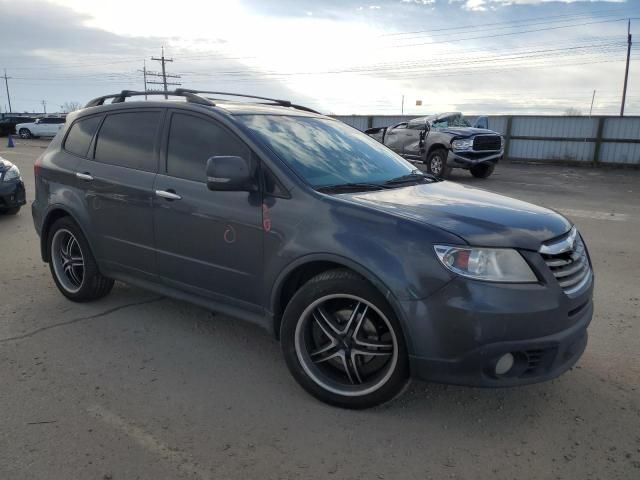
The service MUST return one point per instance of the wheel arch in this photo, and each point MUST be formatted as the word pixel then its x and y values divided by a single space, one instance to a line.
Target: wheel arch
pixel 55 213
pixel 435 146
pixel 298 272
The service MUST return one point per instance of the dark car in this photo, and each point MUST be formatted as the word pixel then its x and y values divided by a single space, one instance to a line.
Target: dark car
pixel 367 270
pixel 442 142
pixel 8 124
pixel 12 193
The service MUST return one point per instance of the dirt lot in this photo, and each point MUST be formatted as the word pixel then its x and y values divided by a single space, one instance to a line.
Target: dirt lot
pixel 140 387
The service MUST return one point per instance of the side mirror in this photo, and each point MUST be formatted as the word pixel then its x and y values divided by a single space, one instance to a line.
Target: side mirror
pixel 37 120
pixel 229 174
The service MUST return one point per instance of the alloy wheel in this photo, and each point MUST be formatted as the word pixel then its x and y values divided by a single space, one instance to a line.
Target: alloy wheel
pixel 68 260
pixel 436 165
pixel 346 345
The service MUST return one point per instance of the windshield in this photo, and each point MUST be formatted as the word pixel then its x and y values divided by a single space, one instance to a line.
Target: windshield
pixel 326 152
pixel 452 121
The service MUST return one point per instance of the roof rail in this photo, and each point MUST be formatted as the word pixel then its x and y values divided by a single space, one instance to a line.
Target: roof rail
pixel 282 103
pixel 193 96
pixel 120 97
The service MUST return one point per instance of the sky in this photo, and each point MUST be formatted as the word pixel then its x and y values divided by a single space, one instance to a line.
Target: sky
pixel 337 56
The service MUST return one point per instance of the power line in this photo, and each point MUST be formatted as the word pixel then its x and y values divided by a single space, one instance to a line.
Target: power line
pixel 508 33
pixel 514 21
pixel 164 74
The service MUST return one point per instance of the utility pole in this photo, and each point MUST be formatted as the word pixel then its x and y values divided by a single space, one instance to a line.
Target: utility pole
pixel 402 107
pixel 144 76
pixel 44 105
pixel 626 72
pixel 6 84
pixel 593 97
pixel 164 74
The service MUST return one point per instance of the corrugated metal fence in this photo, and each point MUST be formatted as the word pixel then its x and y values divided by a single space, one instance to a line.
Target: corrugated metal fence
pixel 587 140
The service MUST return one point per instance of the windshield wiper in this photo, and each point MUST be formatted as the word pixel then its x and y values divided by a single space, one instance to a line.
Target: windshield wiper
pixel 351 186
pixel 414 176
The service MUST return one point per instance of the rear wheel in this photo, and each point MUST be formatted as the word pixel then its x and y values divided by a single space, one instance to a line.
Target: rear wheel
pixel 343 343
pixel 25 133
pixel 484 170
pixel 72 264
pixel 437 163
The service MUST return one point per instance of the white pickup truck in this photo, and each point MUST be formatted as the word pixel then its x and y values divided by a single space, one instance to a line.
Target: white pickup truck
pixel 42 127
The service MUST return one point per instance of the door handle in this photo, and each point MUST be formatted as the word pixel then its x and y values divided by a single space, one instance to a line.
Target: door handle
pixel 84 176
pixel 168 194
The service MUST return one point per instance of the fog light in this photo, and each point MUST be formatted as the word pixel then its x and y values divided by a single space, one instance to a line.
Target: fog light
pixel 504 364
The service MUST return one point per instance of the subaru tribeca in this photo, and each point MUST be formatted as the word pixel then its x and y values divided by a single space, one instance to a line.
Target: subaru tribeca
pixel 368 272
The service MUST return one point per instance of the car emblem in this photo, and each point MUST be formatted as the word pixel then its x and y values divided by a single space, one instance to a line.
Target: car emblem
pixel 567 244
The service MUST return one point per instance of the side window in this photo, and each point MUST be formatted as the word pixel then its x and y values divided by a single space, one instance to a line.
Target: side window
pixel 128 139
pixel 45 120
pixel 400 126
pixel 193 140
pixel 80 135
pixel 58 120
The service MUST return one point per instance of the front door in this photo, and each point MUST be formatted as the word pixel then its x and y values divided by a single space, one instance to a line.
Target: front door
pixel 414 141
pixel 209 242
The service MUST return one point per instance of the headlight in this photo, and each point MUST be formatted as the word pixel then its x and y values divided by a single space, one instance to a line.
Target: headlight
pixel 462 144
pixel 11 174
pixel 489 264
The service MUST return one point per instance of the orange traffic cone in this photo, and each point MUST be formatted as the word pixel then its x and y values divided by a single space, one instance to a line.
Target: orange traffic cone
pixel 10 142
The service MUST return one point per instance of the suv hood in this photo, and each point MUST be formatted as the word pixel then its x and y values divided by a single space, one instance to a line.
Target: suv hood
pixel 466 131
pixel 479 217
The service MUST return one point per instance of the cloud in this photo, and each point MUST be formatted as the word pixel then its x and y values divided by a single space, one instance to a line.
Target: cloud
pixel 482 5
pixel 338 59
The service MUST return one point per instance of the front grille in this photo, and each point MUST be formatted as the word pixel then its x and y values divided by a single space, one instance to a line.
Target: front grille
pixel 487 142
pixel 571 268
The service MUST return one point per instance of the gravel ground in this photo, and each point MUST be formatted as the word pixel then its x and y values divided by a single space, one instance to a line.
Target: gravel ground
pixel 135 386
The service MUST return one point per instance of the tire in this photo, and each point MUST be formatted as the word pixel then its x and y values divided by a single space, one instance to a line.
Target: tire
pixel 484 170
pixel 11 211
pixel 343 343
pixel 437 163
pixel 25 133
pixel 72 264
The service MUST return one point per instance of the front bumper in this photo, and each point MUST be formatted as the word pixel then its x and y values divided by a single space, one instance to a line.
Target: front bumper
pixel 457 335
pixel 12 194
pixel 470 159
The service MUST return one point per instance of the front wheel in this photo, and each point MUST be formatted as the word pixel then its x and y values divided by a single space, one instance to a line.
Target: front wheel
pixel 437 163
pixel 483 170
pixel 343 343
pixel 25 133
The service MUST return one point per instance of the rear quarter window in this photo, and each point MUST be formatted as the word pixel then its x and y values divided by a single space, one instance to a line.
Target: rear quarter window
pixel 80 135
pixel 128 140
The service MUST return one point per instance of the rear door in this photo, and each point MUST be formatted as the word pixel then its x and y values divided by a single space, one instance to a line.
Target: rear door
pixel 117 180
pixel 209 242
pixel 395 137
pixel 414 140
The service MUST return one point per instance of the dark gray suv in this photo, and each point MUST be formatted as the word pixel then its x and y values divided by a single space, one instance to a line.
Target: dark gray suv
pixel 368 271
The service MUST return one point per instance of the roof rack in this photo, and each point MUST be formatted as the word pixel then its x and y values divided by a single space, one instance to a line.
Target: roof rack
pixel 120 97
pixel 193 96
